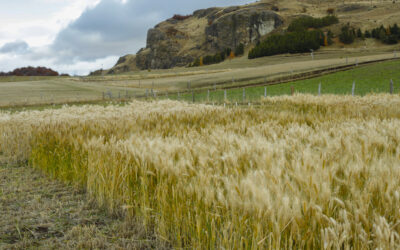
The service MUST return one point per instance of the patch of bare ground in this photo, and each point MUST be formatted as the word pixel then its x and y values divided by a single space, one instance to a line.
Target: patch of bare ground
pixel 39 213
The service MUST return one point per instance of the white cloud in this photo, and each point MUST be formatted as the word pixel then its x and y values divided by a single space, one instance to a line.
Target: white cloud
pixel 38 21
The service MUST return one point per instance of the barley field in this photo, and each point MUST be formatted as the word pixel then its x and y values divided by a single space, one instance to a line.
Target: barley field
pixel 303 171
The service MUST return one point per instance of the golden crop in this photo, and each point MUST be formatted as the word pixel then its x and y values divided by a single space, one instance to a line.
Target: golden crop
pixel 295 172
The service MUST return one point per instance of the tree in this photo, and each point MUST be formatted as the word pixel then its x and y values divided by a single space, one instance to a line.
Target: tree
pixel 382 34
pixel 196 62
pixel 326 39
pixel 395 30
pixel 359 33
pixel 228 52
pixel 218 58
pixel 291 42
pixel 347 35
pixel 239 50
pixel 391 39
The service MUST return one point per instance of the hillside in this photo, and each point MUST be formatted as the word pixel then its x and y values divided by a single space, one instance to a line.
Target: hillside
pixel 179 40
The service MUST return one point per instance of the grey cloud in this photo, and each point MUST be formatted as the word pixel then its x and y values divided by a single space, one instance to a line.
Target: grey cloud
pixel 17 47
pixel 112 28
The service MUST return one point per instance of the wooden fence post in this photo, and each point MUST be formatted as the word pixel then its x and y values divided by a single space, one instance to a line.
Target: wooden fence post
pixel 319 89
pixel 353 89
pixel 292 90
pixel 244 94
pixel 225 95
pixel 265 91
pixel 208 95
pixel 391 86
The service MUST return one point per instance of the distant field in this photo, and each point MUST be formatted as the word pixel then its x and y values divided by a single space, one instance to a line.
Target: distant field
pixel 28 78
pixel 374 78
pixel 34 91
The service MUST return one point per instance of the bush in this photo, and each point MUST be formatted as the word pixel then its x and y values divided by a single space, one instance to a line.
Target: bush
pixel 211 59
pixel 292 42
pixel 330 11
pixel 307 22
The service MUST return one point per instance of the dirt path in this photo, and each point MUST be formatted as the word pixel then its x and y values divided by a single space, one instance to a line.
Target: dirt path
pixel 36 212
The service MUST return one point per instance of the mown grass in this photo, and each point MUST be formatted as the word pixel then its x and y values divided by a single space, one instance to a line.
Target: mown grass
pixel 373 78
pixel 301 172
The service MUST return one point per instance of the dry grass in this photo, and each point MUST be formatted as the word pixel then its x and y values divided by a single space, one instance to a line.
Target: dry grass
pixel 38 213
pixel 296 172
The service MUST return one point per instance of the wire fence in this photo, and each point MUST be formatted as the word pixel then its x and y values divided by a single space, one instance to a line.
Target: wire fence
pixel 352 80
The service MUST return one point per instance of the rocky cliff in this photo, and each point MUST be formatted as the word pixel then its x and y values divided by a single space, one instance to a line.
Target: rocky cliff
pixel 181 39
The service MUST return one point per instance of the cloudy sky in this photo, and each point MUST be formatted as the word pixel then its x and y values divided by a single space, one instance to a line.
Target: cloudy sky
pixel 79 36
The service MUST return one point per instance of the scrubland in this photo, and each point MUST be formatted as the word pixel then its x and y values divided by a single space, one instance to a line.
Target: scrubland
pixel 297 171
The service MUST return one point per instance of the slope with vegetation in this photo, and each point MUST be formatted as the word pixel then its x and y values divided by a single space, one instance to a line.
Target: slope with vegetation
pixel 185 39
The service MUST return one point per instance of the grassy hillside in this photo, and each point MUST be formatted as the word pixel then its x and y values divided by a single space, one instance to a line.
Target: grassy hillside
pixel 369 79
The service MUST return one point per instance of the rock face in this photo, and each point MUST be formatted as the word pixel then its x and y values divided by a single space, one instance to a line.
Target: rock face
pixel 245 26
pixel 178 41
